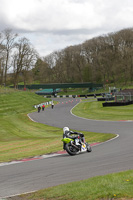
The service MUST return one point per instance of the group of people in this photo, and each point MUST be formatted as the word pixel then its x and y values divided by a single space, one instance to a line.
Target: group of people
pixel 39 108
pixel 43 107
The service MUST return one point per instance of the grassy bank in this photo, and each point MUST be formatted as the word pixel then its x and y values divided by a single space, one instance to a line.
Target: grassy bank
pixel 22 138
pixel 108 187
pixel 95 110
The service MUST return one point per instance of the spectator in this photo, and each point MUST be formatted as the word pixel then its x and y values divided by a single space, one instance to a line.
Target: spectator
pixel 39 108
pixel 52 105
pixel 43 107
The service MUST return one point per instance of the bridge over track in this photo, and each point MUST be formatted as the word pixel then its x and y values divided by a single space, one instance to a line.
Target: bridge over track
pixel 55 86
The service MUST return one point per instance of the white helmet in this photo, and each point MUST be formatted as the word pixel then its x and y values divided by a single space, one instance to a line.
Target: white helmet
pixel 65 129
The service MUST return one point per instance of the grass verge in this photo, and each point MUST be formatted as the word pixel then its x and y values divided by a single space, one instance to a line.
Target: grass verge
pixel 95 110
pixel 108 187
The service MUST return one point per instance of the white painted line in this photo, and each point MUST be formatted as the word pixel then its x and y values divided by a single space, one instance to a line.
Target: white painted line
pixel 117 135
pixel 29 160
pixel 4 198
pixel 31 118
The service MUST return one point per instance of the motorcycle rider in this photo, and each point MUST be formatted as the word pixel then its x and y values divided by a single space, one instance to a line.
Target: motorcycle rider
pixel 68 133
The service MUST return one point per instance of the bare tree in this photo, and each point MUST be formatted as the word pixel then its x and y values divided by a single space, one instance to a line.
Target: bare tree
pixel 23 59
pixel 9 43
pixel 2 60
pixel 29 61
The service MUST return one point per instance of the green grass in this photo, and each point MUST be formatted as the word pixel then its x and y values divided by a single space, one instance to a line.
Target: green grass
pixel 95 110
pixel 22 138
pixel 108 187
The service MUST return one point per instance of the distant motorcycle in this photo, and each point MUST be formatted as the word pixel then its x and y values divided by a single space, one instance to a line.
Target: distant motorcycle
pixel 74 144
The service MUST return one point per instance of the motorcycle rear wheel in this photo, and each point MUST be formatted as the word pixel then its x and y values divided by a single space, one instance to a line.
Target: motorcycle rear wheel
pixel 71 150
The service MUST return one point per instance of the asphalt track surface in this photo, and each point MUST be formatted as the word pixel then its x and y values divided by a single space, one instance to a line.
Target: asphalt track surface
pixel 112 156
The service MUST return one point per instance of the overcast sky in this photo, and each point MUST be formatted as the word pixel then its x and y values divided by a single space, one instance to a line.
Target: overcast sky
pixel 55 24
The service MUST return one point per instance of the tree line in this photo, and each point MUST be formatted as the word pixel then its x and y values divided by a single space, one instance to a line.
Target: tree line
pixel 104 59
pixel 17 58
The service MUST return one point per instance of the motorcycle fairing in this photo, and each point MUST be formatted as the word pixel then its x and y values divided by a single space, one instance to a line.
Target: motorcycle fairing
pixel 67 140
pixel 83 147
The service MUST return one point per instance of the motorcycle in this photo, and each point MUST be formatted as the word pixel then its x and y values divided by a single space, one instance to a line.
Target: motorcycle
pixel 75 145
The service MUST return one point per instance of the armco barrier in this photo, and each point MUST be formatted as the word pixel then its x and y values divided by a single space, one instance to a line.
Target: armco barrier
pixel 81 95
pixel 105 99
pixel 60 96
pixel 117 103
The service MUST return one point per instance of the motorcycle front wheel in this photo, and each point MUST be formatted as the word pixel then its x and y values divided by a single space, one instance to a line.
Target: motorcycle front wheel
pixel 89 149
pixel 71 150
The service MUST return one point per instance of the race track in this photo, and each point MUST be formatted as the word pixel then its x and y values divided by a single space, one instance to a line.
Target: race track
pixel 113 156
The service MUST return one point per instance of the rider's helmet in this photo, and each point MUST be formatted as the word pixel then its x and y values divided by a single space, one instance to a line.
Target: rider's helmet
pixel 65 130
